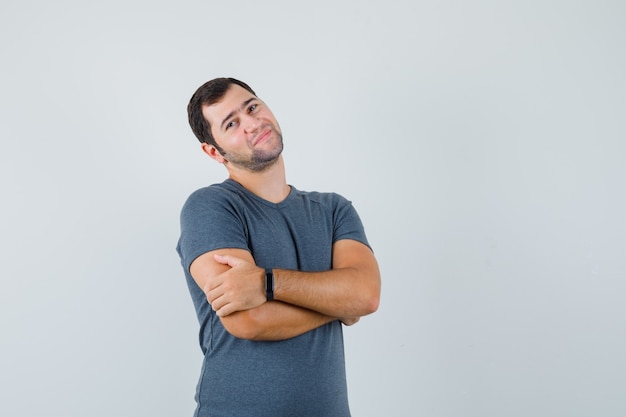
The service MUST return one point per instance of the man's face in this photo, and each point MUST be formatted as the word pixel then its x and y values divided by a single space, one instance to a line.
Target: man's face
pixel 245 129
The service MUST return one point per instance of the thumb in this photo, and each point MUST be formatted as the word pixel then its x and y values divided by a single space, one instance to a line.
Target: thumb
pixel 227 260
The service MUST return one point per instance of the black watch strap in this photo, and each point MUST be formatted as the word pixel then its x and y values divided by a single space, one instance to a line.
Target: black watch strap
pixel 269 284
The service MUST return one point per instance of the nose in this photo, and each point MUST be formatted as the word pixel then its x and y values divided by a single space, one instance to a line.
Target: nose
pixel 250 123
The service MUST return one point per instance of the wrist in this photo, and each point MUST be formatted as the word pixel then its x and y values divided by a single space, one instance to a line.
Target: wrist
pixel 269 284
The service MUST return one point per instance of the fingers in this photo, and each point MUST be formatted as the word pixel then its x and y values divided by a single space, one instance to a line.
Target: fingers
pixel 219 302
pixel 223 305
pixel 227 260
pixel 222 309
pixel 240 287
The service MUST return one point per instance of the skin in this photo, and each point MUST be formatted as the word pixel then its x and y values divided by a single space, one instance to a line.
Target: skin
pixel 250 137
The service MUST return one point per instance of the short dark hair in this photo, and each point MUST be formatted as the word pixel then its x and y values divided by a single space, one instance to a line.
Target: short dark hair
pixel 209 93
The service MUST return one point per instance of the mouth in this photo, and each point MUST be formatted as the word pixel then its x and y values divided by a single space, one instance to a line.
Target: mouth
pixel 265 134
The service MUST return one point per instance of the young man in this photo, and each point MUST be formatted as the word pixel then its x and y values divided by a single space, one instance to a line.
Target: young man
pixel 273 272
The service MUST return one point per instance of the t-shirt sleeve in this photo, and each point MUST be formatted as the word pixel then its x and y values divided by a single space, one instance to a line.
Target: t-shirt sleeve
pixel 347 223
pixel 210 220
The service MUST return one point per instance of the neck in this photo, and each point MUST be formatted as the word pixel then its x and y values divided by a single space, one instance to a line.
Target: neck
pixel 269 184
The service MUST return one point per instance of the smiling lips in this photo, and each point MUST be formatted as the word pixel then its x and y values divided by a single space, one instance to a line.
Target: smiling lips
pixel 265 133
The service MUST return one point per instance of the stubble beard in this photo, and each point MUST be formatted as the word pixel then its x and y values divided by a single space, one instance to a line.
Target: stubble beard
pixel 260 160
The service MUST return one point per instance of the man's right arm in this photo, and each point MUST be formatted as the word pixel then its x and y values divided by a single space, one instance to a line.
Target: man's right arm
pixel 269 321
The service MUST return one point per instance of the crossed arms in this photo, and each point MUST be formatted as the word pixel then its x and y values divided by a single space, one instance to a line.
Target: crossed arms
pixel 235 288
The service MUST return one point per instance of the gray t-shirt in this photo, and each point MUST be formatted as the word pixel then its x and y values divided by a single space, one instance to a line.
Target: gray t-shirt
pixel 302 376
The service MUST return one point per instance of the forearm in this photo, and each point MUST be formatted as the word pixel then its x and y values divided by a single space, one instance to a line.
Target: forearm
pixel 273 321
pixel 342 292
pixel 350 289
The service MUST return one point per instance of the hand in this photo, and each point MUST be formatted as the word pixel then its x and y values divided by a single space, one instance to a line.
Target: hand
pixel 242 287
pixel 349 321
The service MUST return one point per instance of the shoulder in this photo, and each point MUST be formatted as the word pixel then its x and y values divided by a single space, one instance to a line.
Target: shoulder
pixel 330 199
pixel 216 195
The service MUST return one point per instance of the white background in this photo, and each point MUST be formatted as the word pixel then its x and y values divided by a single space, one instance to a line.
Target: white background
pixel 483 144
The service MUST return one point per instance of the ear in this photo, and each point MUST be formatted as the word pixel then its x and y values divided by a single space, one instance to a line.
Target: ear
pixel 213 153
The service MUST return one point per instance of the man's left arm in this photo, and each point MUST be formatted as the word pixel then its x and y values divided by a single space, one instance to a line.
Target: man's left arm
pixel 350 289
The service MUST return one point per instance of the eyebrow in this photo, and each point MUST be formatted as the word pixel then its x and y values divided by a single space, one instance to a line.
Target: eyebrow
pixel 232 113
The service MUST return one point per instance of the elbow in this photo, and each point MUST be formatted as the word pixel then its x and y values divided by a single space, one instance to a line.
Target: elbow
pixel 375 303
pixel 243 325
pixel 372 302
pixel 372 298
pixel 369 300
pixel 370 281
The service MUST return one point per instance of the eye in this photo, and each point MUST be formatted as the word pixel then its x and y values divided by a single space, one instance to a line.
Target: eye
pixel 252 108
pixel 230 124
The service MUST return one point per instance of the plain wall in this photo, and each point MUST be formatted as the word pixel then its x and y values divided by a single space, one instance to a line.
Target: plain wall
pixel 483 144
